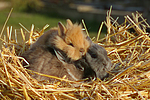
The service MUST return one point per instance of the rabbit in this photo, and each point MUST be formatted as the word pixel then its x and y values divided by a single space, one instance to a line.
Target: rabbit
pixel 43 59
pixel 97 58
pixel 70 39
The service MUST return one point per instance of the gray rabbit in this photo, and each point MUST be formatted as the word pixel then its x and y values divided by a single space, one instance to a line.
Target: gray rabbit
pixel 97 58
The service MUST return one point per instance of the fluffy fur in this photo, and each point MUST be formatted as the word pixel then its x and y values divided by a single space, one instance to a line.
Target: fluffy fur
pixel 43 59
pixel 87 59
pixel 95 63
pixel 70 39
pixel 97 58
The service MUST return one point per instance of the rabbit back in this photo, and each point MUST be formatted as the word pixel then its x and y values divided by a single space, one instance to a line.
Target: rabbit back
pixel 44 60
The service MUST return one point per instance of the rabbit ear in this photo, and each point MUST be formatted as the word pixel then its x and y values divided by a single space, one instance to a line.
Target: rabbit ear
pixel 69 23
pixel 59 56
pixel 61 29
pixel 89 39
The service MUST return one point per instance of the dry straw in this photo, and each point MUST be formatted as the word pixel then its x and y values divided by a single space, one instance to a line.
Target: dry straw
pixel 128 46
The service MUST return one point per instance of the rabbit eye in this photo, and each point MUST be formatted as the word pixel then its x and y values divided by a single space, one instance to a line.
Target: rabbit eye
pixel 93 55
pixel 71 44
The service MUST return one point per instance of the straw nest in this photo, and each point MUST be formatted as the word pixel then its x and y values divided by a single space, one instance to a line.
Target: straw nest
pixel 128 46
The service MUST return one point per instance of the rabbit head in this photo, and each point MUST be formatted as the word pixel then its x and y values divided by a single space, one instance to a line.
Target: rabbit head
pixel 97 58
pixel 71 40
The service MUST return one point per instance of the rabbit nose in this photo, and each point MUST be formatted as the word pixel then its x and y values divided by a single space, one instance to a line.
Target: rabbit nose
pixel 82 51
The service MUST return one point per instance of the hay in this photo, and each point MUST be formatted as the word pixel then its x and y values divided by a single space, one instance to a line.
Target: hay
pixel 128 47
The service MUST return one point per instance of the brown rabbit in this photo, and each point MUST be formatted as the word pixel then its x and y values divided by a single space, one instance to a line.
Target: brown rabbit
pixel 43 59
pixel 70 39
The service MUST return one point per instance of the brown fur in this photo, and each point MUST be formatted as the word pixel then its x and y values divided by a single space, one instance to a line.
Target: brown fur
pixel 44 60
pixel 69 39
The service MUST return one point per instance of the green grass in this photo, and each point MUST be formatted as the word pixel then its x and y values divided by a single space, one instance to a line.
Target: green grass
pixel 27 19
pixel 39 21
